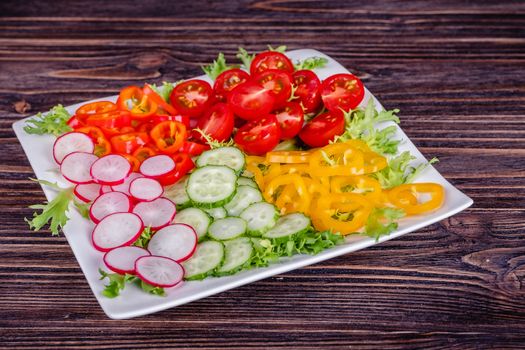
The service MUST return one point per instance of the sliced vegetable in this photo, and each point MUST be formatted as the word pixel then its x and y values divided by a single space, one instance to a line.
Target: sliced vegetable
pixel 116 230
pixel 259 136
pixel 110 170
pixel 250 100
pixel 177 193
pixel 291 119
pixel 122 260
pixel 227 81
pixel 109 203
pixel 212 186
pixel 124 187
pixel 156 213
pixel 231 157
pixel 177 242
pixel 191 97
pixel 157 166
pixel 217 122
pixel 237 254
pixel 342 92
pixel 260 217
pixel 288 225
pixel 195 218
pixel 168 136
pixel 159 271
pixel 76 167
pixel 71 142
pixel 245 196
pixel 207 257
pixel 87 192
pixel 227 228
pixel 324 128
pixel 270 60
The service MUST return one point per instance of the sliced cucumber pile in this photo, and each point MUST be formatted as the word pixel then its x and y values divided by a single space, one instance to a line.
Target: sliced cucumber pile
pixel 211 186
pixel 177 193
pixel 231 157
pixel 196 218
pixel 207 257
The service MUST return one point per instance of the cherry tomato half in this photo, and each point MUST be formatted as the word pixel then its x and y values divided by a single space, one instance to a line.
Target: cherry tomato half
pixel 278 82
pixel 191 97
pixel 259 136
pixel 217 123
pixel 319 131
pixel 128 143
pixel 270 60
pixel 308 90
pixel 342 91
pixel 291 119
pixel 250 101
pixel 227 80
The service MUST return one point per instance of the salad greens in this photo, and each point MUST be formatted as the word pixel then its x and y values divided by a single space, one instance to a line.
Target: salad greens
pixel 311 63
pixel 117 283
pixel 217 67
pixel 53 122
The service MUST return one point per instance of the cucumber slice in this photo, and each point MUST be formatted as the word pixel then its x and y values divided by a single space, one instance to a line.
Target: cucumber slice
pixel 196 218
pixel 211 186
pixel 227 228
pixel 216 213
pixel 237 253
pixel 177 193
pixel 289 225
pixel 207 257
pixel 244 197
pixel 231 157
pixel 246 181
pixel 260 217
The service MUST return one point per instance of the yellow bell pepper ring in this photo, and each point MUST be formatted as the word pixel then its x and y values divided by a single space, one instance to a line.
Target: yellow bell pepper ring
pixel 293 201
pixel 374 162
pixel 337 159
pixel 365 185
pixel 400 197
pixel 257 174
pixel 342 212
pixel 288 157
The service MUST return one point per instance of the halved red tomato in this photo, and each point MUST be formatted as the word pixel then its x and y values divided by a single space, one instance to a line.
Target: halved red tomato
pixel 342 91
pixel 259 136
pixel 308 90
pixel 217 122
pixel 191 97
pixel 291 119
pixel 227 80
pixel 270 60
pixel 319 131
pixel 278 82
pixel 251 100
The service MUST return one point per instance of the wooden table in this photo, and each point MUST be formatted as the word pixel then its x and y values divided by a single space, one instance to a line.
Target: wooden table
pixel 457 72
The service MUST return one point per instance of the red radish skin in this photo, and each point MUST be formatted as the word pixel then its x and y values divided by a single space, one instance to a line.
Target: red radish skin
pixel 116 230
pixel 109 203
pixel 71 142
pixel 157 166
pixel 157 213
pixel 124 187
pixel 105 189
pixel 87 192
pixel 122 260
pixel 76 167
pixel 110 170
pixel 159 271
pixel 176 241
pixel 145 189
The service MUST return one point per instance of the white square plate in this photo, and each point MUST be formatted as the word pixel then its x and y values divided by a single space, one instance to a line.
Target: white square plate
pixel 134 302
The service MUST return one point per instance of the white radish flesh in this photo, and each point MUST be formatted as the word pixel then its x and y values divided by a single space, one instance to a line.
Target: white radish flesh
pixel 122 260
pixel 157 213
pixel 87 192
pixel 159 271
pixel 76 167
pixel 157 166
pixel 177 241
pixel 124 187
pixel 116 230
pixel 110 170
pixel 72 142
pixel 109 203
pixel 145 189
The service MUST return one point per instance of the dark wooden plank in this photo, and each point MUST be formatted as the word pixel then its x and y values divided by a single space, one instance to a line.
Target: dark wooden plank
pixel 454 68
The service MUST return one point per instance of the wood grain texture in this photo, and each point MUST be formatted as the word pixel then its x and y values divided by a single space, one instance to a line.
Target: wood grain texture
pixel 456 69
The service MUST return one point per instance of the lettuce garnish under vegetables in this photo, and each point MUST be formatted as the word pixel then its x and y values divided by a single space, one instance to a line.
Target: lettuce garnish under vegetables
pixel 117 283
pixel 245 57
pixel 311 63
pixel 53 122
pixel 164 90
pixel 382 221
pixel 217 67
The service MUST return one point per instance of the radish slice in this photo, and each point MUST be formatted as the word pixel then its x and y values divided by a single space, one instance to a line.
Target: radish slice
pixel 145 189
pixel 110 170
pixel 122 260
pixel 157 213
pixel 116 230
pixel 157 166
pixel 177 242
pixel 76 167
pixel 159 271
pixel 124 187
pixel 72 142
pixel 105 189
pixel 109 203
pixel 87 192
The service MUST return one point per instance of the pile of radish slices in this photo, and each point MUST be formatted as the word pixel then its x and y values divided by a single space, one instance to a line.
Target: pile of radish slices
pixel 123 204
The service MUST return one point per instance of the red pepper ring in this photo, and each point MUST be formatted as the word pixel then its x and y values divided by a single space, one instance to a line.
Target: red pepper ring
pixel 148 91
pixel 93 108
pixel 169 136
pixel 109 120
pixel 133 99
pixel 183 165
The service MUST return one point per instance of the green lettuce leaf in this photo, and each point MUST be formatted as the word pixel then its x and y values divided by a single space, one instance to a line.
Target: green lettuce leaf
pixel 144 238
pixel 217 67
pixel 281 48
pixel 245 57
pixel 361 125
pixel 382 221
pixel 164 90
pixel 311 63
pixel 53 122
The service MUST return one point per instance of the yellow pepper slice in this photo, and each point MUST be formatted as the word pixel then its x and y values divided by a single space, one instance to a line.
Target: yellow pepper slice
pixel 374 162
pixel 337 159
pixel 298 201
pixel 400 197
pixel 365 185
pixel 257 174
pixel 288 157
pixel 355 206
